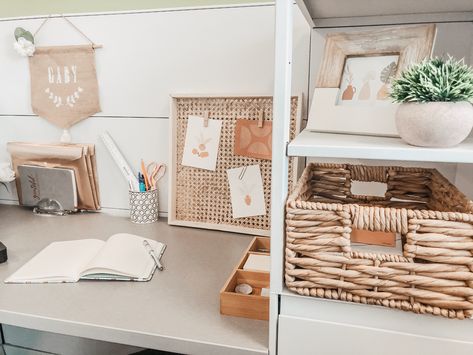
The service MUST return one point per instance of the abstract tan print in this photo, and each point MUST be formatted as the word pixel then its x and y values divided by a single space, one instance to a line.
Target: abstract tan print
pixel 246 191
pixel 386 76
pixel 350 90
pixel 201 146
pixel 253 141
pixel 366 80
pixel 64 88
pixel 365 92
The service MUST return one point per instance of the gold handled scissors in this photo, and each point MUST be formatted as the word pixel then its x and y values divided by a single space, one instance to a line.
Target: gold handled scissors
pixel 155 173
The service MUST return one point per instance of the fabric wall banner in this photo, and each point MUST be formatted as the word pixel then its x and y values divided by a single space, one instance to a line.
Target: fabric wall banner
pixel 64 87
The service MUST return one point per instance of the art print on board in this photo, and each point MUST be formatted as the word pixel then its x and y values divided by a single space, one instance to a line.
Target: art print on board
pixel 246 191
pixel 366 80
pixel 253 141
pixel 201 143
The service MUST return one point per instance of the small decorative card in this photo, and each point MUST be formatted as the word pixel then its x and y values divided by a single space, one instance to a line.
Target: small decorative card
pixel 246 191
pixel 253 141
pixel 201 143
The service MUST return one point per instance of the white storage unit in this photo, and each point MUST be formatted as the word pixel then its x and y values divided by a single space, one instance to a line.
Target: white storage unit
pixel 306 325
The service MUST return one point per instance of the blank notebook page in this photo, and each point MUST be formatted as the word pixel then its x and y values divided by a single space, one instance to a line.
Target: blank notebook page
pixel 59 261
pixel 126 255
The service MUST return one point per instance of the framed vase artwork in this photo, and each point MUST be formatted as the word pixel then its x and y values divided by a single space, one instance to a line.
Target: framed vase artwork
pixel 352 88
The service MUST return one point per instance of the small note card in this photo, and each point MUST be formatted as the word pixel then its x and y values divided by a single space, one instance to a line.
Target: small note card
pixel 201 143
pixel 253 141
pixel 246 190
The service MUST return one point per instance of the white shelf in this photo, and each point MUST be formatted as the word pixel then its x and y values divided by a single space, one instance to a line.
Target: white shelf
pixel 324 9
pixel 328 145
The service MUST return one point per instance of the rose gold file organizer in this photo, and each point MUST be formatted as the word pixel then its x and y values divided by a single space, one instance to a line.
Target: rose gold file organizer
pixel 78 157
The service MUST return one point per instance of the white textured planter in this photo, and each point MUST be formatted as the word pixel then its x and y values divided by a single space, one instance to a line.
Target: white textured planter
pixel 434 124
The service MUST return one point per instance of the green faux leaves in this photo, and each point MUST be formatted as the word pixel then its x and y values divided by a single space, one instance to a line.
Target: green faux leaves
pixel 21 32
pixel 436 79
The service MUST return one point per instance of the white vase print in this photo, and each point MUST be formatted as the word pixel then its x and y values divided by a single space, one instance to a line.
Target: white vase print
pixel 365 92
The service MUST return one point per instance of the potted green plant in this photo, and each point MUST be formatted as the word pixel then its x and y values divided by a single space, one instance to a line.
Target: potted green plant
pixel 435 97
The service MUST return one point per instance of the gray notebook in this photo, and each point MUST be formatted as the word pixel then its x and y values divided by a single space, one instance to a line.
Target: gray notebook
pixel 38 182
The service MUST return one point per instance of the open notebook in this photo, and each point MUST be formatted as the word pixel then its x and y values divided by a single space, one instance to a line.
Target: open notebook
pixel 122 257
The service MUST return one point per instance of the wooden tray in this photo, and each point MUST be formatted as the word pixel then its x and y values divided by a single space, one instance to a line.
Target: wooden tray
pixel 252 306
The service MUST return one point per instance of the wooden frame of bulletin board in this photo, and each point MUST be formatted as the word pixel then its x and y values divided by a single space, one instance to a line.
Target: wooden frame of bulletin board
pixel 200 198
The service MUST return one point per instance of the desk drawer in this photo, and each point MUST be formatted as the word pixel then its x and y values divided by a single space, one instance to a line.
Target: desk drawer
pixel 15 350
pixel 45 342
pixel 306 336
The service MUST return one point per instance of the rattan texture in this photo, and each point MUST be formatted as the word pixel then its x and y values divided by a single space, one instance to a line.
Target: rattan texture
pixel 204 196
pixel 435 220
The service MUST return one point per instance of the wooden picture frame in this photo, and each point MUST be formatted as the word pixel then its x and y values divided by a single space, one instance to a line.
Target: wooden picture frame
pixel 200 198
pixel 411 44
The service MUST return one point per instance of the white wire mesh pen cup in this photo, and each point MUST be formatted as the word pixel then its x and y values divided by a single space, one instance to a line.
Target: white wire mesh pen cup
pixel 144 206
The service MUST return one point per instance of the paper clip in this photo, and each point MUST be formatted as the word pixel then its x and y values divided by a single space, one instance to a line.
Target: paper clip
pixel 260 118
pixel 242 173
pixel 260 113
pixel 206 119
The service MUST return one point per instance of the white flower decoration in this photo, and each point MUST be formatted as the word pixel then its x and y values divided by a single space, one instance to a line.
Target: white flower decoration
pixel 6 173
pixel 24 47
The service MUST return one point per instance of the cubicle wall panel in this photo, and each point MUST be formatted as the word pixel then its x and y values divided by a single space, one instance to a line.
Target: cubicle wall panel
pixel 138 138
pixel 147 56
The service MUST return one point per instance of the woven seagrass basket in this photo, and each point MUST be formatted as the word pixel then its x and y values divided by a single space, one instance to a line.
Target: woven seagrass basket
pixel 435 221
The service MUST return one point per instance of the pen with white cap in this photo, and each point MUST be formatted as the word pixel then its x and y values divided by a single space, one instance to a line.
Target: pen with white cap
pixel 153 255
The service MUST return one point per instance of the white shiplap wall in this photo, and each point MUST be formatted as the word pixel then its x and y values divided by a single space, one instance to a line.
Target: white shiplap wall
pixel 146 57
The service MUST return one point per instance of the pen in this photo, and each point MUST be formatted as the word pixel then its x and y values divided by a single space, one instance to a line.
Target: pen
pixel 153 255
pixel 145 175
pixel 141 181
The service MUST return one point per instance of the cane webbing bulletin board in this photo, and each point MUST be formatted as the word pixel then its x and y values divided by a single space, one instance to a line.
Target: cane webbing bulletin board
pixel 201 198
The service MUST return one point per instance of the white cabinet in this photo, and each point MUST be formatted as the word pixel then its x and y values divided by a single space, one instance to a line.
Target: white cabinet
pixel 319 326
pixel 304 336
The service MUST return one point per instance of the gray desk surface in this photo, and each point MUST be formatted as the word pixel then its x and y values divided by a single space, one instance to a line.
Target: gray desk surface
pixel 178 310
